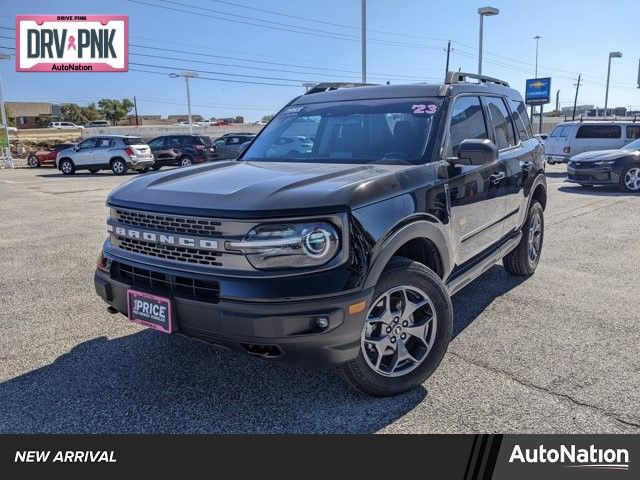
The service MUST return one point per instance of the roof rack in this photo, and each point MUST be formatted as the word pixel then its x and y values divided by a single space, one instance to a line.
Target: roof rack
pixel 461 77
pixel 327 86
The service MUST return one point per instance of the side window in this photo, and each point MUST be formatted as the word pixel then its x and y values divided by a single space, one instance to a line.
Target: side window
pixel 88 143
pixel 172 142
pixel 556 131
pixel 521 119
pixel 467 121
pixel 633 132
pixel 501 123
pixel 104 142
pixel 233 140
pixel 187 141
pixel 599 131
pixel 219 141
pixel 156 142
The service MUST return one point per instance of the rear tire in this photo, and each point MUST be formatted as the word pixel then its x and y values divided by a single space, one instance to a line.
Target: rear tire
pixel 67 167
pixel 407 331
pixel 144 170
pixel 119 166
pixel 157 167
pixel 33 161
pixel 186 161
pixel 524 259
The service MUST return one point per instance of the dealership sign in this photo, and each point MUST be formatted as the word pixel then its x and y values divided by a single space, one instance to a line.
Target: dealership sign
pixel 537 91
pixel 72 43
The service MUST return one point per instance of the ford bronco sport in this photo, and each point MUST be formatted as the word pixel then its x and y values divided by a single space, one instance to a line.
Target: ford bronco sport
pixel 345 254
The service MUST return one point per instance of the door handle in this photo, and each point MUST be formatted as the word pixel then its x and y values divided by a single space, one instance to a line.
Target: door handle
pixel 497 177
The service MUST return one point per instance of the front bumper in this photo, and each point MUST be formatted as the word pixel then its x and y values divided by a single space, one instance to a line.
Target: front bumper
pixel 603 175
pixel 285 331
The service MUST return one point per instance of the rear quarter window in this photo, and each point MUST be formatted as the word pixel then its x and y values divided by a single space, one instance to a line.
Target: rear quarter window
pixel 599 131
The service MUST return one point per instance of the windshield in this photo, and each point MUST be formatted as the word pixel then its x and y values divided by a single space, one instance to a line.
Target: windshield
pixel 362 131
pixel 635 145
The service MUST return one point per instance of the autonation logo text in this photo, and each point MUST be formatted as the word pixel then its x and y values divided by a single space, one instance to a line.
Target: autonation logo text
pixel 574 457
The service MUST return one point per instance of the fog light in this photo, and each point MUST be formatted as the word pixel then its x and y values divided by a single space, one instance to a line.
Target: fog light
pixel 322 322
pixel 103 263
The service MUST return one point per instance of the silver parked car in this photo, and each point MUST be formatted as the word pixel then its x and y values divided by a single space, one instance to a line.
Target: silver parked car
pixel 117 153
pixel 230 145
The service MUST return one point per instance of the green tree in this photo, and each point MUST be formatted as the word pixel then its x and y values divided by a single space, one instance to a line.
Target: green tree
pixel 91 112
pixel 114 110
pixel 72 112
pixel 11 120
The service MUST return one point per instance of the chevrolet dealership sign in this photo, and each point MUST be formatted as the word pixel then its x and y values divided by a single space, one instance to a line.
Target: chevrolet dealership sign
pixel 72 43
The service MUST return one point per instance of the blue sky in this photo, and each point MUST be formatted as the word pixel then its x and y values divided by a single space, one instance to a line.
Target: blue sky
pixel 319 41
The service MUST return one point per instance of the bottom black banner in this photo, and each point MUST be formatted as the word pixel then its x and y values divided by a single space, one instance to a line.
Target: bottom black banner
pixel 466 457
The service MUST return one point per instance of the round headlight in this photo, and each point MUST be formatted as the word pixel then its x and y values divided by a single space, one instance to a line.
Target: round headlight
pixel 316 243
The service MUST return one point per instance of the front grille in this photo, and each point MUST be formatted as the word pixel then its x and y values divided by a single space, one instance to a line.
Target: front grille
pixel 169 223
pixel 169 252
pixel 161 283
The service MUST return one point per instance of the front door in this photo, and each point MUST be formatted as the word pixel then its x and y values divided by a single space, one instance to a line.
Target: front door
pixel 477 192
pixel 85 154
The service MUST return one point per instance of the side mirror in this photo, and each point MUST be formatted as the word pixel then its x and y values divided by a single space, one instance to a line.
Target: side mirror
pixel 476 152
pixel 76 148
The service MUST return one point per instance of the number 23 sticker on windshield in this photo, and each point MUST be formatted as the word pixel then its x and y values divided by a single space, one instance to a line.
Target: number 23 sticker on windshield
pixel 421 109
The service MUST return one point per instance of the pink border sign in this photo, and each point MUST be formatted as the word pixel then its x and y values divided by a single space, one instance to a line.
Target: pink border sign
pixel 95 66
pixel 136 293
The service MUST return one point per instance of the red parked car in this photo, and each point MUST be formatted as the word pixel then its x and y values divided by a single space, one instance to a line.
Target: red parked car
pixel 47 157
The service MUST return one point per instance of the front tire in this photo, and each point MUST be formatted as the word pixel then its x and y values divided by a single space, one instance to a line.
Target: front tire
pixel 119 167
pixel 524 259
pixel 406 333
pixel 630 179
pixel 67 167
pixel 33 161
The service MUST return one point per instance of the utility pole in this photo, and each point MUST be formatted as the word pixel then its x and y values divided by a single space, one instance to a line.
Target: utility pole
pixel 364 41
pixel 446 70
pixel 537 39
pixel 558 101
pixel 8 161
pixel 575 100
pixel 135 107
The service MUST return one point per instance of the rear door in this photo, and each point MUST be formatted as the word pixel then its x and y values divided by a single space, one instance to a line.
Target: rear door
pixel 478 202
pixel 102 152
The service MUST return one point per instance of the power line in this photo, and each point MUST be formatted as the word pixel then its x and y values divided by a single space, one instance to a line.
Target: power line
pixel 284 27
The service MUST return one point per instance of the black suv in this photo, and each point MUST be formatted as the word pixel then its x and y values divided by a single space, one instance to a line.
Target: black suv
pixel 344 254
pixel 183 150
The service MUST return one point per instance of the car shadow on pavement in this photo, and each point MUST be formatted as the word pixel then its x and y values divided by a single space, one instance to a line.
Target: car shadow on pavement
pixel 473 299
pixel 598 191
pixel 149 382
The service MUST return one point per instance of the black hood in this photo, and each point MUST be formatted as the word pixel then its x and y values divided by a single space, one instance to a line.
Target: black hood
pixel 242 189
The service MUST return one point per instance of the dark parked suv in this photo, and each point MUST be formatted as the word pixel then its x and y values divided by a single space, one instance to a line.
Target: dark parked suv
pixel 183 150
pixel 346 253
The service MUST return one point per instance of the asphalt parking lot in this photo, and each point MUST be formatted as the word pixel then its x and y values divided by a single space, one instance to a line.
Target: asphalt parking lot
pixel 557 352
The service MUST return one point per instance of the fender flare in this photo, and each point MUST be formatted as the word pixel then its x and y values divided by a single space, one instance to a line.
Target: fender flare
pixel 419 229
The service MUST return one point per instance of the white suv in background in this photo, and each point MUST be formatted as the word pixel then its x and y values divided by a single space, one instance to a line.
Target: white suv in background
pixel 571 138
pixel 117 153
pixel 65 125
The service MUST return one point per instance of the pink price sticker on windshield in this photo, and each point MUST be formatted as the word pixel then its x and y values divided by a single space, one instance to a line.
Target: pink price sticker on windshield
pixel 422 109
pixel 72 43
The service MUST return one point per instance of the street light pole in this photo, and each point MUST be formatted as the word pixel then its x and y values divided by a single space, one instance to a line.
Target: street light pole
pixel 483 12
pixel 537 39
pixel 364 41
pixel 8 161
pixel 187 76
pixel 606 95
